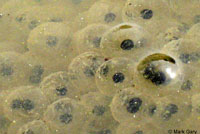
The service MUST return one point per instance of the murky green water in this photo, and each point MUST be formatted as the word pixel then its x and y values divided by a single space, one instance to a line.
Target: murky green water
pixel 99 66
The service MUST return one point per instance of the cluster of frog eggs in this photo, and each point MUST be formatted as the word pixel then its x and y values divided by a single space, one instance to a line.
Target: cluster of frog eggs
pixel 117 67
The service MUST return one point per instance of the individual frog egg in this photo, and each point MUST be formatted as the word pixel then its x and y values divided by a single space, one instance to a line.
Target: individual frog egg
pixel 25 103
pixel 36 74
pixel 57 86
pixel 37 69
pixel 11 46
pixel 172 110
pixel 126 39
pixel 138 128
pixel 149 14
pixel 144 10
pixel 7 12
pixel 52 40
pixel 132 104
pixel 13 70
pixel 82 71
pixel 89 38
pixel 193 33
pixel 34 127
pixel 158 72
pixel 100 117
pixel 105 12
pixel 114 75
pixel 65 115
pixel 29 18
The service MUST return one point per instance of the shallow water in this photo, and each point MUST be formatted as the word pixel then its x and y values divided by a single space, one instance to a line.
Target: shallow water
pixel 99 66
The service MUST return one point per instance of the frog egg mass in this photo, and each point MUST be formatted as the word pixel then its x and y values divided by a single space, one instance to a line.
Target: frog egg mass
pixel 99 66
